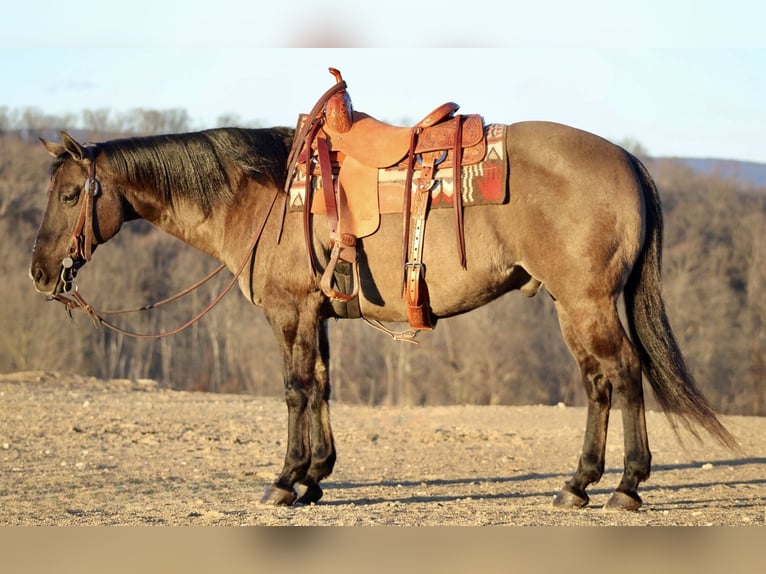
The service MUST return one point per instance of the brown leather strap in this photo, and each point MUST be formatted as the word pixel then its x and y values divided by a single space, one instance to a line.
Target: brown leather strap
pixel 458 191
pixel 407 204
pixel 418 311
pixel 308 141
pixel 83 234
pixel 90 206
pixel 328 187
pixel 78 239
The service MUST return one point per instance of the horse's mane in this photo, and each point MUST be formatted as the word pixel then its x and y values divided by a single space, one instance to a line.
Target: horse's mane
pixel 199 166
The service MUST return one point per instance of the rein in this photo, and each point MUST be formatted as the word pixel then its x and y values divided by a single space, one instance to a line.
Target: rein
pixel 81 250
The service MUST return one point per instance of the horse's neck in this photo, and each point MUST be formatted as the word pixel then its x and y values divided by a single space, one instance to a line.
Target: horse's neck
pixel 183 220
pixel 227 234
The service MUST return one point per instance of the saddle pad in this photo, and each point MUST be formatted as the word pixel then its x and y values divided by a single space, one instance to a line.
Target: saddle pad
pixel 360 208
pixel 482 183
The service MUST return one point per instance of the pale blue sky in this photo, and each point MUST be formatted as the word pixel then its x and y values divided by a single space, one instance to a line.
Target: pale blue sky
pixel 684 78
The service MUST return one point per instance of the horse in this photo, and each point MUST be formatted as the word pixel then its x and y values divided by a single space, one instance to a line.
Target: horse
pixel 582 219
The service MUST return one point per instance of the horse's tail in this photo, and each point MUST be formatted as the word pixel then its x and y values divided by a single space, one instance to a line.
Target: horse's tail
pixel 650 330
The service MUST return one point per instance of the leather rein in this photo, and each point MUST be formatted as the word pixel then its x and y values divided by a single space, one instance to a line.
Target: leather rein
pixel 80 252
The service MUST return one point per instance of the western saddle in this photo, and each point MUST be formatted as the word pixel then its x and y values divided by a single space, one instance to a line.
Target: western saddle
pixel 339 151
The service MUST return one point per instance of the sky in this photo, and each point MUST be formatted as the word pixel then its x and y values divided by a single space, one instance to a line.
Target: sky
pixel 682 78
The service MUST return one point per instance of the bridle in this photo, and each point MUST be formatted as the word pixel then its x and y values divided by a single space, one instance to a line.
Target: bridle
pixel 81 250
pixel 83 234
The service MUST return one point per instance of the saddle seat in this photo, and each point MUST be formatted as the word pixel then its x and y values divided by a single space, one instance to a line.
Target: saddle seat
pixel 374 143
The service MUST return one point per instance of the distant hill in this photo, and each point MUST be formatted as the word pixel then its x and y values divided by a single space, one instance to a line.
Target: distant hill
pixel 743 171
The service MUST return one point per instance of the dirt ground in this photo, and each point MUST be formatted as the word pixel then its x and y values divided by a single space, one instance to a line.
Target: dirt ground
pixel 81 451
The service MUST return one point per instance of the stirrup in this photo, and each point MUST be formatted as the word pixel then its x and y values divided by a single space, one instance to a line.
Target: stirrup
pixel 349 244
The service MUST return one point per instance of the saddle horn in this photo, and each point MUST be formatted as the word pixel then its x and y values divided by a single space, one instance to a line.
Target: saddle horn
pixel 339 112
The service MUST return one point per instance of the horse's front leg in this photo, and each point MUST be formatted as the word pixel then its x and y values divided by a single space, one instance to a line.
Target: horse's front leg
pixel 298 456
pixel 322 443
pixel 295 325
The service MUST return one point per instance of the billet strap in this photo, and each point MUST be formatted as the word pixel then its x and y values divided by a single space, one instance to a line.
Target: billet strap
pixel 407 205
pixel 458 191
pixel 418 311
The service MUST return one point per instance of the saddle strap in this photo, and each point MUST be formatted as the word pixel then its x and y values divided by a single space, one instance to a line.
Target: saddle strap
pixel 458 191
pixel 308 140
pixel 418 302
pixel 328 186
pixel 407 204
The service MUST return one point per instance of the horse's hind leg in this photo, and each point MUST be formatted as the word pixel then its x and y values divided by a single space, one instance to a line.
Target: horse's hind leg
pixel 607 361
pixel 599 393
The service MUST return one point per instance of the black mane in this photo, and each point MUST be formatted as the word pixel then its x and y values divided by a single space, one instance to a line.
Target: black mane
pixel 200 165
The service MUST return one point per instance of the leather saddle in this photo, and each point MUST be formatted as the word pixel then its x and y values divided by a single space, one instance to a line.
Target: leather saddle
pixel 339 152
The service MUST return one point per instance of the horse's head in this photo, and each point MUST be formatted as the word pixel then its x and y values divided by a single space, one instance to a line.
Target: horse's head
pixel 83 211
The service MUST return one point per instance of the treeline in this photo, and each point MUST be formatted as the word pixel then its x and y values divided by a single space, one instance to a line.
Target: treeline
pixel 509 352
pixel 104 123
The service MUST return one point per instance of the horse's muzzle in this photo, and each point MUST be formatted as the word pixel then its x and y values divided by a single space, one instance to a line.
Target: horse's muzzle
pixel 64 279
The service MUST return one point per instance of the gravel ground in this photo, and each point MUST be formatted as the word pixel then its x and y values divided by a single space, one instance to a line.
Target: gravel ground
pixel 81 451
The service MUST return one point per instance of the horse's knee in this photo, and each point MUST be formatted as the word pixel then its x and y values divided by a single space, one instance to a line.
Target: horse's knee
pixel 296 394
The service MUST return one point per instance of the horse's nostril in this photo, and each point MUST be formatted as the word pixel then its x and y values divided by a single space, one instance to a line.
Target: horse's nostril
pixel 36 274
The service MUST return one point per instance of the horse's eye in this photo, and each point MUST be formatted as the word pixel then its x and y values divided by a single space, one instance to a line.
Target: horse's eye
pixel 70 198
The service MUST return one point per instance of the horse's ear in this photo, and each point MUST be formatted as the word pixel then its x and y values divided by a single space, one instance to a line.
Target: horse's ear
pixel 53 148
pixel 75 149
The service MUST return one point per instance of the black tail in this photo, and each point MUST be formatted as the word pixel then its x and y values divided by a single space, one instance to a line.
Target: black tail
pixel 661 358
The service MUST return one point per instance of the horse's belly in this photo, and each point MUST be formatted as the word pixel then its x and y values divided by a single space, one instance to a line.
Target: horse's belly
pixel 449 293
pixel 491 267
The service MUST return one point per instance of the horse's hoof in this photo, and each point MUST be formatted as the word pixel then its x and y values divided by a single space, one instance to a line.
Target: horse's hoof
pixel 623 501
pixel 569 498
pixel 309 493
pixel 279 496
